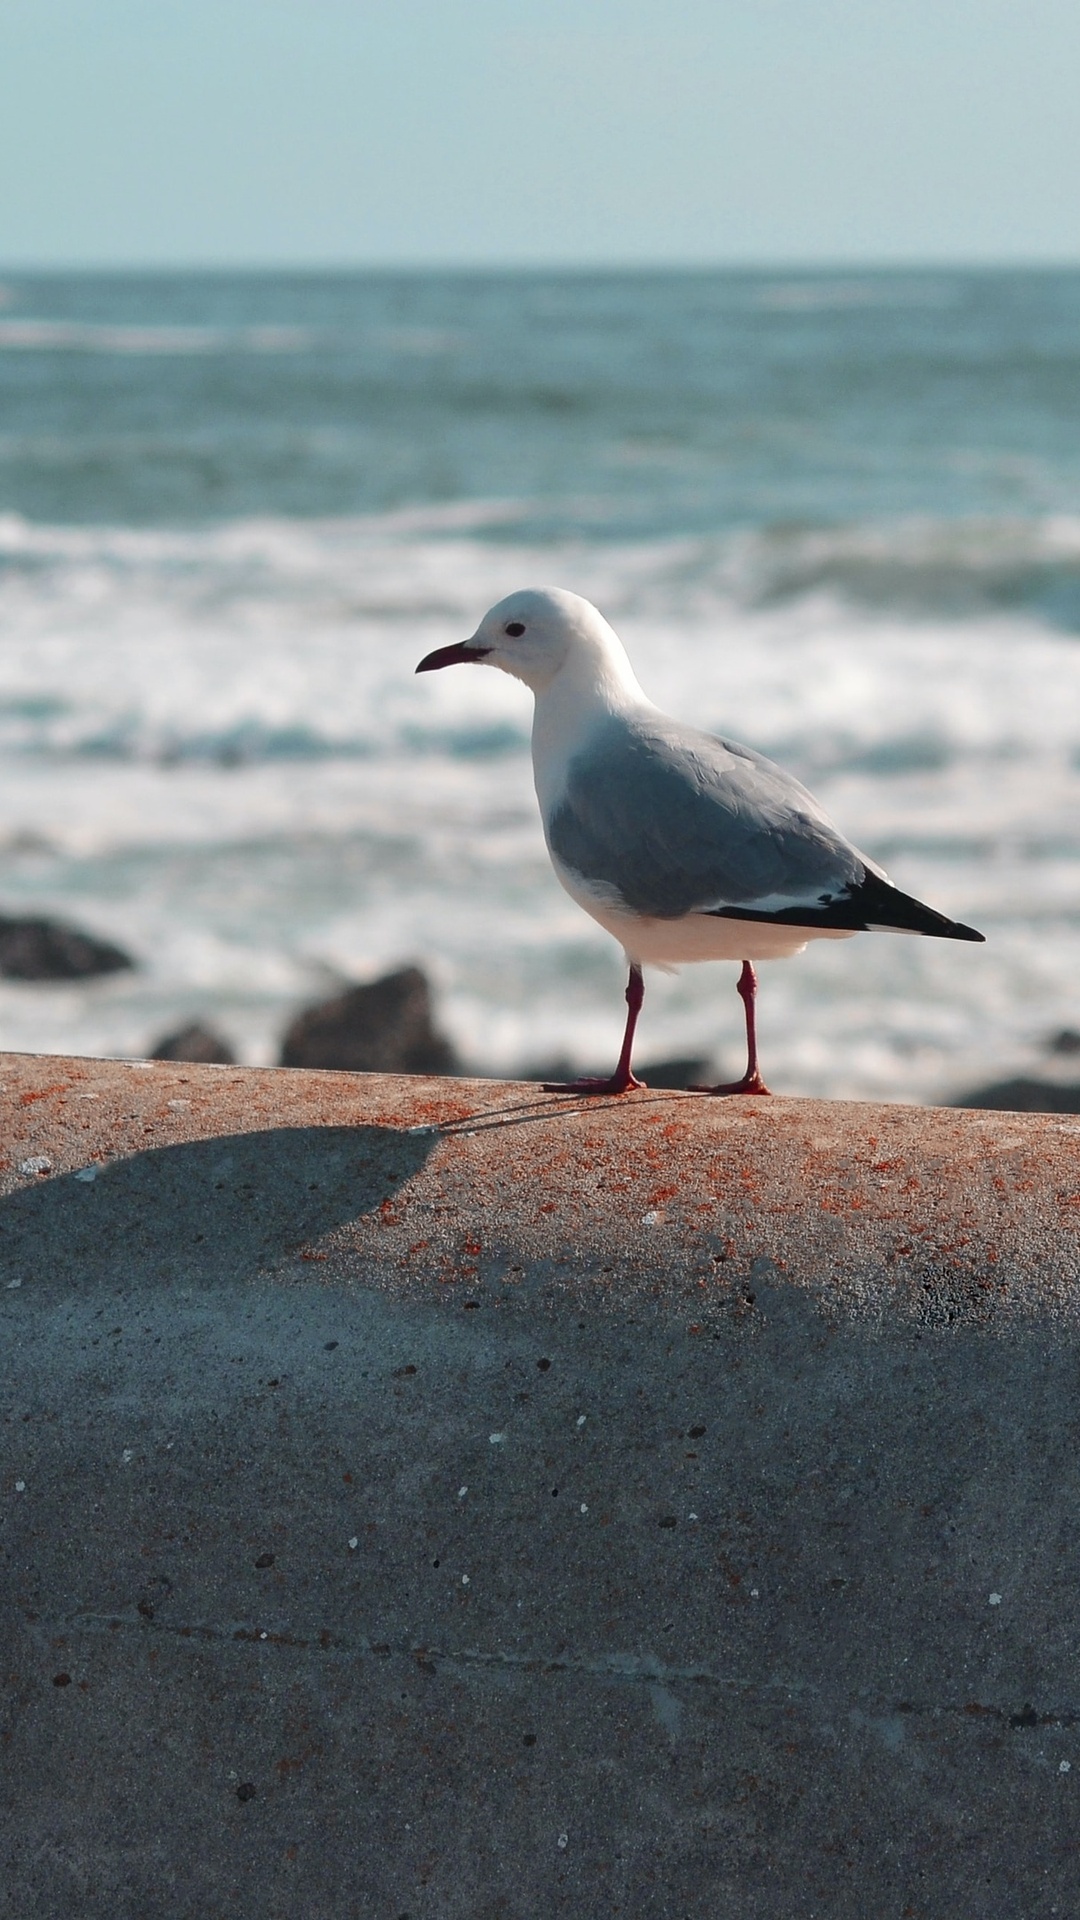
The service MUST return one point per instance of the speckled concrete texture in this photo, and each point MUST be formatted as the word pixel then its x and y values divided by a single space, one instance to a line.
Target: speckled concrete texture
pixel 440 1499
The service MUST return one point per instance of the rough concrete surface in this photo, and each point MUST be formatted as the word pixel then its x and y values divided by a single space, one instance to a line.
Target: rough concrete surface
pixel 436 1498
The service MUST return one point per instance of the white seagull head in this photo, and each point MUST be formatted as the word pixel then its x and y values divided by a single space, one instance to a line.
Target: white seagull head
pixel 536 632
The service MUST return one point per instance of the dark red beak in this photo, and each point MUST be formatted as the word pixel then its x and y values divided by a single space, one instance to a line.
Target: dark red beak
pixel 452 656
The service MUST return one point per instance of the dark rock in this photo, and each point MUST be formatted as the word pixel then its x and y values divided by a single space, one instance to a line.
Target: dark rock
pixel 33 949
pixel 679 1073
pixel 656 1073
pixel 1024 1096
pixel 1065 1042
pixel 196 1043
pixel 382 1028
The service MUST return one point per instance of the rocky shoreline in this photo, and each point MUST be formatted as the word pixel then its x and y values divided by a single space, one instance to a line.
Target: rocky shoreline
pixel 388 1025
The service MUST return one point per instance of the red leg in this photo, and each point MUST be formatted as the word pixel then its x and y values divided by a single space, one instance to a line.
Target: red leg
pixel 622 1080
pixel 751 1081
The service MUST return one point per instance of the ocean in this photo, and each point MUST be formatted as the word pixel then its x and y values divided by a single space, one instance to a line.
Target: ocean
pixel 834 515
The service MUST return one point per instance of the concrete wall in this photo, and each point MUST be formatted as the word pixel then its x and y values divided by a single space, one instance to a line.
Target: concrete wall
pixel 440 1499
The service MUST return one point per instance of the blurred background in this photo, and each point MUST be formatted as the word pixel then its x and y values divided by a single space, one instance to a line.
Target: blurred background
pixel 322 328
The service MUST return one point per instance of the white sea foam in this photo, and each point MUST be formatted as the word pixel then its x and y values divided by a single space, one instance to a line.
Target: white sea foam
pixel 214 749
pixel 68 336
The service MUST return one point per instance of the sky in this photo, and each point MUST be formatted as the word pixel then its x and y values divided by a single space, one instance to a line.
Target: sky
pixel 515 132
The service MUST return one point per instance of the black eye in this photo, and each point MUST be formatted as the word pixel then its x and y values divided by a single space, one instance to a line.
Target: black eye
pixel 515 628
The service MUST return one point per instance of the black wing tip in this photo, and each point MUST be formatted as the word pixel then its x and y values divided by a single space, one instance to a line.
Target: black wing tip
pixel 871 905
pixel 939 928
pixel 885 906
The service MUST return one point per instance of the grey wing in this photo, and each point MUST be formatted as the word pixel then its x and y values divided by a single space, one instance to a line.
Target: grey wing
pixel 672 822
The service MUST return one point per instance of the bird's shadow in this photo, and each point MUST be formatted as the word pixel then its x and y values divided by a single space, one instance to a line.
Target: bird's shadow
pixel 550 1106
pixel 204 1210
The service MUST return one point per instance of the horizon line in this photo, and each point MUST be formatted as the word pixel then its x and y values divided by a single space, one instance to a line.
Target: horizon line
pixel 420 265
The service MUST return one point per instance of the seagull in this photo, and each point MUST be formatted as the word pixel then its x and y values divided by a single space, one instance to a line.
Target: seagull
pixel 684 846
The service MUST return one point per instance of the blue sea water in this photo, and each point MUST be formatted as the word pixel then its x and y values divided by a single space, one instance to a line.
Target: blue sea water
pixel 837 516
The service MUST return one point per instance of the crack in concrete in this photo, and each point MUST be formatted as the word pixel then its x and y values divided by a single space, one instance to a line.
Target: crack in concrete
pixel 634 1669
pixel 631 1669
